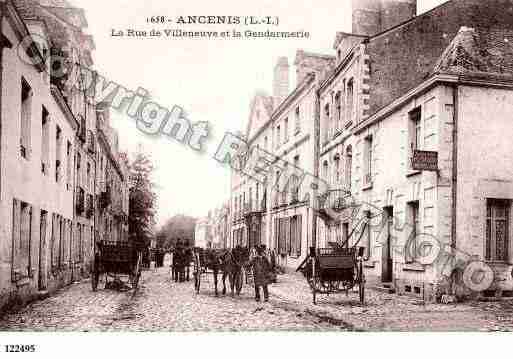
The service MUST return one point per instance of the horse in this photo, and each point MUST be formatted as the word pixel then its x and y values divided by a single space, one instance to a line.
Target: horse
pixel 233 263
pixel 227 261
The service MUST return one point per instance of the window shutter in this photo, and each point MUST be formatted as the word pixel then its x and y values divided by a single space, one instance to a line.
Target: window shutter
pixel 15 262
pixel 299 222
pixel 287 235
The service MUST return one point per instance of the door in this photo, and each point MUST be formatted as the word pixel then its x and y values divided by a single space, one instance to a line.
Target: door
pixel 386 254
pixel 41 281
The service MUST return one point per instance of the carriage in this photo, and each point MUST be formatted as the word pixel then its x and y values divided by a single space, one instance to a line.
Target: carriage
pixel 334 270
pixel 115 259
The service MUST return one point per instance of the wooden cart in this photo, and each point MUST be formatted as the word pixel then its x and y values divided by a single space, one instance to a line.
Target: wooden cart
pixel 116 259
pixel 334 270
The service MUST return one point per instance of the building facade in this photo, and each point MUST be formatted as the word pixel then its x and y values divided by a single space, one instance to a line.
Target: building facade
pixel 48 150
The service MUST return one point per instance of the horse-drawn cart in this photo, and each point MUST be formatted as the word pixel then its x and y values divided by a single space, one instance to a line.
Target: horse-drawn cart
pixel 334 270
pixel 115 259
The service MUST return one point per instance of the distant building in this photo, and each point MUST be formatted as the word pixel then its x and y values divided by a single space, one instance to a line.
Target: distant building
pixel 203 233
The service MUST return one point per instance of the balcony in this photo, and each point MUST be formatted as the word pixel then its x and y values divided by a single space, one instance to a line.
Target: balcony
pixel 80 204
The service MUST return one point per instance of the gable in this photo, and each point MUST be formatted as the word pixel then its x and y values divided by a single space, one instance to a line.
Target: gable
pixel 260 114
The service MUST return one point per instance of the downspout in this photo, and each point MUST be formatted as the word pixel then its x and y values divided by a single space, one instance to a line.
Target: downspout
pixel 454 191
pixel 316 136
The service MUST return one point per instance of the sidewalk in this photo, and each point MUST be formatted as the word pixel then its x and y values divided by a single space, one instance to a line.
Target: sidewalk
pixel 393 312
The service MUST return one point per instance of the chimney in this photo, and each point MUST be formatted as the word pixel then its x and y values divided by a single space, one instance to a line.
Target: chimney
pixel 371 17
pixel 366 17
pixel 394 12
pixel 281 80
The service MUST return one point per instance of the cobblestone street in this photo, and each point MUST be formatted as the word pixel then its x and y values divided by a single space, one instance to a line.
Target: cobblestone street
pixel 162 305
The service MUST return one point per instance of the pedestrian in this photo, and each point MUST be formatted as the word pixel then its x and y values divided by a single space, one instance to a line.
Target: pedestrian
pixel 261 272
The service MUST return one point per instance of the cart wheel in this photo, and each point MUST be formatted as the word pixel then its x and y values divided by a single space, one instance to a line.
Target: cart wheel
pixel 95 275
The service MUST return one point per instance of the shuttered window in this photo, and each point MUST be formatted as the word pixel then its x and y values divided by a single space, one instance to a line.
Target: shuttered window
pixel 497 230
pixel 21 240
pixel 295 233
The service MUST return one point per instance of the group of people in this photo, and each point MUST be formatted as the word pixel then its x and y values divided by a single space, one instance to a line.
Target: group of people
pixel 261 261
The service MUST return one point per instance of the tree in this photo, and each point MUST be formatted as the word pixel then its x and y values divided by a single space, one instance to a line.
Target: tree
pixel 179 227
pixel 142 199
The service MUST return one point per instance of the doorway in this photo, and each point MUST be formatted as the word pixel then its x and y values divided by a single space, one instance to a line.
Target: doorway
pixel 41 281
pixel 387 268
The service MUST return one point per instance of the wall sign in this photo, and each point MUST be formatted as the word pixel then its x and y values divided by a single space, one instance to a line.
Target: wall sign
pixel 424 160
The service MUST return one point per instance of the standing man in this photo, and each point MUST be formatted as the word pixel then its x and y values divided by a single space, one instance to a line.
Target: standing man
pixel 261 272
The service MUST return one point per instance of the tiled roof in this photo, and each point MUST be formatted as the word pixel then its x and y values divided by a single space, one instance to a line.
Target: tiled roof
pixel 403 57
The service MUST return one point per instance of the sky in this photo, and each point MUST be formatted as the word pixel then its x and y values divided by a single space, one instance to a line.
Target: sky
pixel 214 80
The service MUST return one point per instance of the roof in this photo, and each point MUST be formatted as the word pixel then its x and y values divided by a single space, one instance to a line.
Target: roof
pixel 405 56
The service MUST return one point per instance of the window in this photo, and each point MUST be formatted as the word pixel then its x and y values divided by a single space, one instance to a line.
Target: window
pixel 78 175
pixel 26 113
pixel 350 100
pixel 68 165
pixel 45 140
pixel 497 229
pixel 415 126
pixel 336 168
pixel 368 161
pixel 278 138
pixel 21 240
pixel 415 131
pixel 250 200
pixel 349 165
pixel 338 111
pixel 413 209
pixel 286 129
pixel 276 189
pixel 295 236
pixel 295 181
pixel 88 176
pixel 298 120
pixel 325 170
pixel 58 151
pixel 326 122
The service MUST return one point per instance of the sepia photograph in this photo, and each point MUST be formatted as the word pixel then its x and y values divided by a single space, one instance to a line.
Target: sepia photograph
pixel 305 169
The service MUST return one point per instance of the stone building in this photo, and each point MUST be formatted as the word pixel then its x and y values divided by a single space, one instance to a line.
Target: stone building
pixel 277 213
pixel 111 189
pixel 203 233
pixel 48 157
pixel 221 226
pixel 438 82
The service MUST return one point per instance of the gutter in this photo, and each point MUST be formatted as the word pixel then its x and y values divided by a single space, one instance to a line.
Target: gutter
pixel 454 190
pixel 316 133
